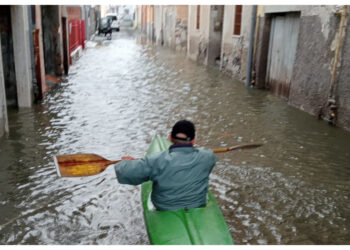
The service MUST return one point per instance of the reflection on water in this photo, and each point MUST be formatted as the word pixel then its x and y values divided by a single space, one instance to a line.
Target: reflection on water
pixel 293 190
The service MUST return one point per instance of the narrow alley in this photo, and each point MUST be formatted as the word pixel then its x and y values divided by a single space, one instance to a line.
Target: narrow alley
pixel 122 92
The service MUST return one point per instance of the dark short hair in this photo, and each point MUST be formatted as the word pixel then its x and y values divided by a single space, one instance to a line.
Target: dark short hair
pixel 184 127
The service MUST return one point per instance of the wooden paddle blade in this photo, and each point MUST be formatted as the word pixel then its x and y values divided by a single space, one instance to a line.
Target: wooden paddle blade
pixel 242 146
pixel 79 165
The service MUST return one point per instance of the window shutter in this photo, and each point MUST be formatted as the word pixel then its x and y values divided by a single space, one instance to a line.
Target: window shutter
pixel 198 16
pixel 238 20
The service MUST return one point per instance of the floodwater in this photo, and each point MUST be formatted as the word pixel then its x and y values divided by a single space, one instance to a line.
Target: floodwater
pixel 293 190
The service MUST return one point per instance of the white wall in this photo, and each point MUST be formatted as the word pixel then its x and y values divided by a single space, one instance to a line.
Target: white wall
pixel 198 39
pixel 158 23
pixel 21 48
pixel 169 22
pixel 3 107
pixel 234 49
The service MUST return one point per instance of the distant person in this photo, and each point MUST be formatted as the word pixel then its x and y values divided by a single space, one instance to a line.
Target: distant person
pixel 180 175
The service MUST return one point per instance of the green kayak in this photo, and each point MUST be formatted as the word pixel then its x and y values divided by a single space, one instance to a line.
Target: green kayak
pixel 198 226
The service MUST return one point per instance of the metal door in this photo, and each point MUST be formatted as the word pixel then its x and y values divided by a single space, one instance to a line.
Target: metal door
pixel 282 49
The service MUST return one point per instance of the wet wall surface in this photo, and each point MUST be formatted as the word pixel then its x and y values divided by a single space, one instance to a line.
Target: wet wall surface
pixel 8 63
pixel 50 24
pixel 293 190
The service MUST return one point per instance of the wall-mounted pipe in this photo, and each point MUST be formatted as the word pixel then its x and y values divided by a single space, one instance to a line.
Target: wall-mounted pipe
pixel 258 16
pixel 256 36
pixel 343 13
pixel 331 104
pixel 251 45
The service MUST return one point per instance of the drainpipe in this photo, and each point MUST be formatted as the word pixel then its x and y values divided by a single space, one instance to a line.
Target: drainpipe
pixel 258 15
pixel 251 45
pixel 331 100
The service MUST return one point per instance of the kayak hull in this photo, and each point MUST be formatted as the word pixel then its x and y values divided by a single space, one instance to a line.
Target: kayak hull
pixel 196 226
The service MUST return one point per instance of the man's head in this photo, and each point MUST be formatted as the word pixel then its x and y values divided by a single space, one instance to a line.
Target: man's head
pixel 183 132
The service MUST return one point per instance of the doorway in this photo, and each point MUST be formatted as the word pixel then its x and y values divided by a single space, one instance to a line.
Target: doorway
pixel 65 47
pixel 281 54
pixel 8 59
pixel 215 34
pixel 51 39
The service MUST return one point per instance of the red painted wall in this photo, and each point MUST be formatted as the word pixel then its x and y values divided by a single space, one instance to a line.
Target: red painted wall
pixel 76 35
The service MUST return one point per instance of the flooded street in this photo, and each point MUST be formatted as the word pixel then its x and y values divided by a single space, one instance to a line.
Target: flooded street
pixel 293 190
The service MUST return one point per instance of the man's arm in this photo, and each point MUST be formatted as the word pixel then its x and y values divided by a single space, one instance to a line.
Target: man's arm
pixel 132 172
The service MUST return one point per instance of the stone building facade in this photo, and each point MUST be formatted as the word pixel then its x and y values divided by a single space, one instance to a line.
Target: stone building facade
pixel 3 104
pixel 171 26
pixel 16 61
pixel 294 50
pixel 234 52
pixel 32 46
pixel 181 27
pixel 298 64
pixel 145 15
pixel 198 33
pixel 150 23
pixel 205 28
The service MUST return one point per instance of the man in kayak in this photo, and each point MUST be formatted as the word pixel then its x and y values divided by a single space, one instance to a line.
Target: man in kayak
pixel 180 175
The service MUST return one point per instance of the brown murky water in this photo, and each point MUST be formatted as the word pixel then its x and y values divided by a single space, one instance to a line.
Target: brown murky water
pixel 293 190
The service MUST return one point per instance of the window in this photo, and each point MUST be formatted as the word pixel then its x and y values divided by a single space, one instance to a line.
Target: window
pixel 198 16
pixel 238 20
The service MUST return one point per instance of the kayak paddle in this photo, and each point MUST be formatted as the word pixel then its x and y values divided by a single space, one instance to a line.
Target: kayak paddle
pixel 80 165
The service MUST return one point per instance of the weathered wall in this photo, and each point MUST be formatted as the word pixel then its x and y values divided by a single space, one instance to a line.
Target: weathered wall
pixel 64 37
pixel 22 55
pixel 158 24
pixel 3 106
pixel 182 12
pixel 150 23
pixel 50 25
pixel 169 23
pixel 52 39
pixel 91 22
pixel 181 27
pixel 314 58
pixel 8 63
pixel 62 12
pixel 261 54
pixel 144 18
pixel 86 11
pixel 198 40
pixel 312 67
pixel 138 17
pixel 234 53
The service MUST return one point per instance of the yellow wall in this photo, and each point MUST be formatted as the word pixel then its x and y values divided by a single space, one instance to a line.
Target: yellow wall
pixel 182 12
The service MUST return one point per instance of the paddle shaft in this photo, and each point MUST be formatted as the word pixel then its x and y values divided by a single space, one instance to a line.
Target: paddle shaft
pixel 242 146
pixel 80 165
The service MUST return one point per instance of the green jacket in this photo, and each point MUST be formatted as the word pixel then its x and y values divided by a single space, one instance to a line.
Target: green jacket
pixel 180 176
